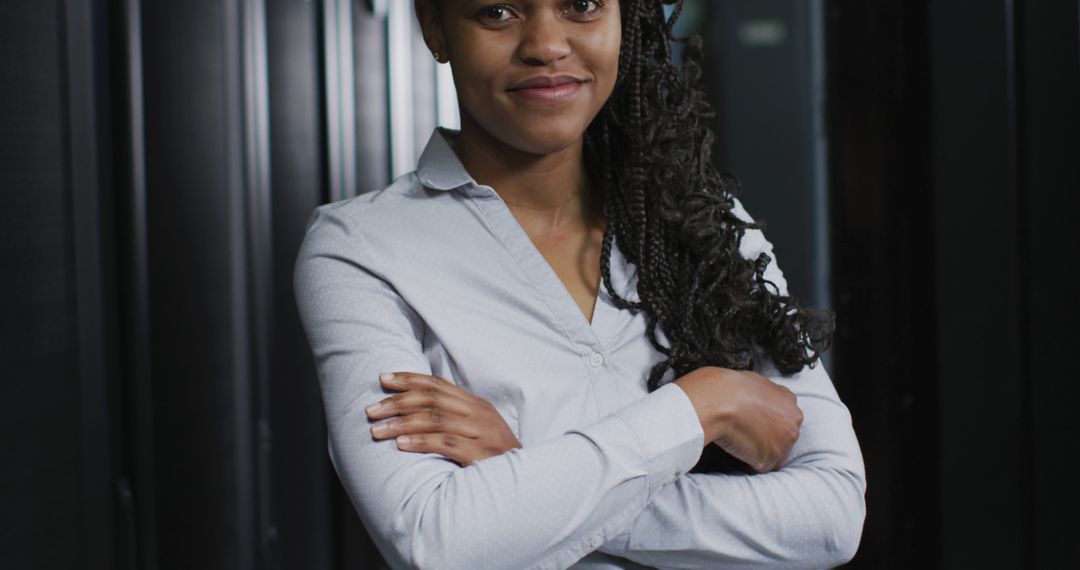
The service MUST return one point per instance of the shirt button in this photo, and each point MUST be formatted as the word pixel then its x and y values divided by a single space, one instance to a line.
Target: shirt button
pixel 596 359
pixel 594 541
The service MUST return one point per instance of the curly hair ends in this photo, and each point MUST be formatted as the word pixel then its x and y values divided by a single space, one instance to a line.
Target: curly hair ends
pixel 671 212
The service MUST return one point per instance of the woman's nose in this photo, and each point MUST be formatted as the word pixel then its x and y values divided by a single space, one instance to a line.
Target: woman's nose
pixel 543 40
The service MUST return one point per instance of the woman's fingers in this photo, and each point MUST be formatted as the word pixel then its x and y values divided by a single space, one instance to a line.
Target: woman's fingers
pixel 420 392
pixel 462 450
pixel 415 380
pixel 437 416
pixel 428 421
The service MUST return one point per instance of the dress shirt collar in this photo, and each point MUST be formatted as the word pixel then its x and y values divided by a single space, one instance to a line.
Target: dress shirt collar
pixel 439 167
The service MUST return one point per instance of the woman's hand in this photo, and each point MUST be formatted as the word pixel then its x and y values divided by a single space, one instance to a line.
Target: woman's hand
pixel 751 417
pixel 440 417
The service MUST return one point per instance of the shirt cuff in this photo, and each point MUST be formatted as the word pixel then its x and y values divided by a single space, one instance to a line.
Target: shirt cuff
pixel 668 431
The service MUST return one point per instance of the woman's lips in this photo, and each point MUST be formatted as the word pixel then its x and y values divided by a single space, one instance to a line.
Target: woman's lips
pixel 552 94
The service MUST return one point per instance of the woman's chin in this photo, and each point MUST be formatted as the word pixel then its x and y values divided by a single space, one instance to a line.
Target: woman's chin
pixel 544 138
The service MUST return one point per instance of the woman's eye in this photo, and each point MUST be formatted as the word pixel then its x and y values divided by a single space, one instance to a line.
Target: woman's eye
pixel 495 13
pixel 585 6
pixel 500 13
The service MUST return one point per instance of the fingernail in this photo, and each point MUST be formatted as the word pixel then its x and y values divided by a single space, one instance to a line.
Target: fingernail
pixel 379 428
pixel 402 439
pixel 386 376
pixel 374 407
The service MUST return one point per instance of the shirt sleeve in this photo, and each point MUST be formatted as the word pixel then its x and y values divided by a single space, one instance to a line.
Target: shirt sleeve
pixel 544 506
pixel 808 514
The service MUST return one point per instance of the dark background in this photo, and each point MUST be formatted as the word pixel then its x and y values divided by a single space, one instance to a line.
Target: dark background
pixel 917 162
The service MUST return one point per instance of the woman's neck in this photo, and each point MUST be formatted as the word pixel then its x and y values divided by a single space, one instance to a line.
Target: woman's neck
pixel 546 192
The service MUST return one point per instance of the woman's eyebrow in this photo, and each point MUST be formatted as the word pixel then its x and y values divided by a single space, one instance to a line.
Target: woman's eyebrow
pixel 469 6
pixel 516 3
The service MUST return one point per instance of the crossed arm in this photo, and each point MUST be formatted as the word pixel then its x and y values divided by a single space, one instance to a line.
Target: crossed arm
pixel 618 485
pixel 809 514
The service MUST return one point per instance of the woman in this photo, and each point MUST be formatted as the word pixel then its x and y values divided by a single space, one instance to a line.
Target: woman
pixel 573 306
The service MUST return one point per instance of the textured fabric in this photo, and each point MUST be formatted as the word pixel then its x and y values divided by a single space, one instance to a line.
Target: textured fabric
pixel 433 274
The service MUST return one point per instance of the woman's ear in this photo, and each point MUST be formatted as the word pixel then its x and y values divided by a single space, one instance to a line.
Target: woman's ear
pixel 430 18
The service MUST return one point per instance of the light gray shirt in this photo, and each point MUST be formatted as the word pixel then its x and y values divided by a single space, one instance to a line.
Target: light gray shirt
pixel 433 274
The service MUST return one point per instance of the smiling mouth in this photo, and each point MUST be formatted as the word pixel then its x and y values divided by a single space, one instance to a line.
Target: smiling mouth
pixel 554 92
pixel 546 81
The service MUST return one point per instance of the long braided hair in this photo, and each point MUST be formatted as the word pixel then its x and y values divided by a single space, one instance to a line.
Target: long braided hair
pixel 649 150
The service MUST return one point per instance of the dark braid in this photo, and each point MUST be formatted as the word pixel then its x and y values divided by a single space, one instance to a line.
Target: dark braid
pixel 671 212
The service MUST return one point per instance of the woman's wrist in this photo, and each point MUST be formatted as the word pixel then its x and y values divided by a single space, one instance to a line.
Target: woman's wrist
pixel 714 412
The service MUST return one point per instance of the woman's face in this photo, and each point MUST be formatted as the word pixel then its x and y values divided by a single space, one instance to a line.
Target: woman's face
pixel 532 73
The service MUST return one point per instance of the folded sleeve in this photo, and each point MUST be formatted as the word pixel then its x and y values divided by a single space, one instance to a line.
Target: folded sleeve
pixel 544 506
pixel 808 514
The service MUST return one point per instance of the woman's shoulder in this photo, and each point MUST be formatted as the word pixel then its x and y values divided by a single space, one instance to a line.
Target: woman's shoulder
pixel 371 204
pixel 404 203
pixel 381 228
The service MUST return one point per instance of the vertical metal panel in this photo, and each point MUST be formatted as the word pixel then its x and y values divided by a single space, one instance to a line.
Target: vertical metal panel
pixel 85 74
pixel 1048 34
pixel 198 305
pixel 371 92
pixel 340 98
pixel 301 468
pixel 43 458
pixel 240 312
pixel 399 40
pixel 821 266
pixel 208 196
pixel 883 270
pixel 978 267
pixel 142 528
pixel 425 94
pixel 260 285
